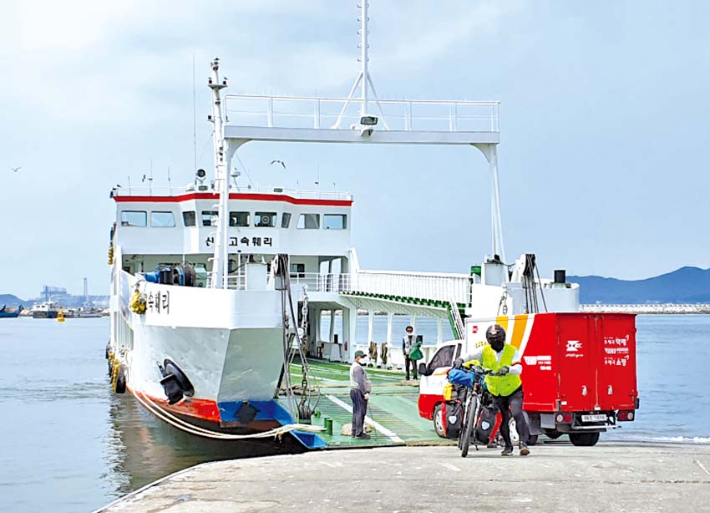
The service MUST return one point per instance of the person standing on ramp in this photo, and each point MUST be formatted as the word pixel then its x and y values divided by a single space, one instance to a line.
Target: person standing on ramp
pixel 360 388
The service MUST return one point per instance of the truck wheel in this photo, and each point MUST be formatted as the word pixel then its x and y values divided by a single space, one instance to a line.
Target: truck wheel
pixel 532 440
pixel 584 439
pixel 439 421
pixel 552 434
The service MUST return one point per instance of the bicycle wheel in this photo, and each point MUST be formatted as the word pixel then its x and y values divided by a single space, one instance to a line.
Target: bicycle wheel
pixel 466 406
pixel 470 421
pixel 476 422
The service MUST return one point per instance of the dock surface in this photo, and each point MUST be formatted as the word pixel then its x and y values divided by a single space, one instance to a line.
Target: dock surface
pixel 610 477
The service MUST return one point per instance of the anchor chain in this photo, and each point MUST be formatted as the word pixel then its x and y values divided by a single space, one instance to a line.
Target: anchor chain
pixel 304 409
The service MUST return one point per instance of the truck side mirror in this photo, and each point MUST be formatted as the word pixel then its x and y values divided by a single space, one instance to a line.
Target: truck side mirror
pixel 423 369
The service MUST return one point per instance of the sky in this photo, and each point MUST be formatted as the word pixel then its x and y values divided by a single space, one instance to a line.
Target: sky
pixel 604 125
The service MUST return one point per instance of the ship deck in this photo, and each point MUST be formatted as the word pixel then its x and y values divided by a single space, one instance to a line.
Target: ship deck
pixel 392 411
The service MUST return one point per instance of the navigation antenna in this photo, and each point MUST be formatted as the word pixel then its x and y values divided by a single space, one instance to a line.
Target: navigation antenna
pixel 219 276
pixel 364 82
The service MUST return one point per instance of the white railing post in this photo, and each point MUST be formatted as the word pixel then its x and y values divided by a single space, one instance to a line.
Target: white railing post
pixel 270 113
pixel 317 114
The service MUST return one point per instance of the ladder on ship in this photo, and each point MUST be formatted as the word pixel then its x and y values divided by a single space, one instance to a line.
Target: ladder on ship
pixel 457 325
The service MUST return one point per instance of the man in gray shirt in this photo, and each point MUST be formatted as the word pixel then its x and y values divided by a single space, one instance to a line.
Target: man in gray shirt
pixel 360 388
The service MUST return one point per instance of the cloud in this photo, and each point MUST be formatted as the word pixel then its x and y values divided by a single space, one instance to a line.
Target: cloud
pixel 422 31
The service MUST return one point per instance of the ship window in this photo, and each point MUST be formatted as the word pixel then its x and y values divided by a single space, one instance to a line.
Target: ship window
pixel 265 219
pixel 209 218
pixel 335 222
pixel 298 270
pixel 285 220
pixel 134 218
pixel 189 218
pixel 239 219
pixel 308 222
pixel 162 219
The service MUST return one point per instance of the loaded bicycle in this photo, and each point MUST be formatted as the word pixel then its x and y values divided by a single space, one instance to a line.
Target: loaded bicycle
pixel 473 407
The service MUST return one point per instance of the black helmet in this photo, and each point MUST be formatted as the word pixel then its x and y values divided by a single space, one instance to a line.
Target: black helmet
pixel 495 335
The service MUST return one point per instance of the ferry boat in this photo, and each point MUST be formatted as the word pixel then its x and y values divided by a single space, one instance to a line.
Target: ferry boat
pixel 45 310
pixel 218 290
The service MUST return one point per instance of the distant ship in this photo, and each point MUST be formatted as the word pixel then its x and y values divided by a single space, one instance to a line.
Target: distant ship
pixel 88 312
pixel 46 310
pixel 10 313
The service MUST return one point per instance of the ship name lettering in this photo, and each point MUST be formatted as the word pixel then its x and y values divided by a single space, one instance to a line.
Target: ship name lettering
pixel 159 302
pixel 244 241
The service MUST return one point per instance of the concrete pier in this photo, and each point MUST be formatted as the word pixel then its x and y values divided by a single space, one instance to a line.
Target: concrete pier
pixel 610 477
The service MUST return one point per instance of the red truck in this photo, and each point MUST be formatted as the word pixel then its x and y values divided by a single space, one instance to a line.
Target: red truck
pixel 579 371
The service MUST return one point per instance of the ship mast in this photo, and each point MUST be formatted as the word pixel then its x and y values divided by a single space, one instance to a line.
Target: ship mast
pixel 219 262
pixel 363 80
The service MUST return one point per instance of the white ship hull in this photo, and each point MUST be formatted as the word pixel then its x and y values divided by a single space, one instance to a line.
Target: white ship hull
pixel 228 343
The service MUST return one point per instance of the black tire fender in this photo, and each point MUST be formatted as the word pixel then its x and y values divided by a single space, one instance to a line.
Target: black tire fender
pixel 121 378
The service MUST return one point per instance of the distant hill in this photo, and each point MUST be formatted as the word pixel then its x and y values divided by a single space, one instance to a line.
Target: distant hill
pixel 685 285
pixel 12 301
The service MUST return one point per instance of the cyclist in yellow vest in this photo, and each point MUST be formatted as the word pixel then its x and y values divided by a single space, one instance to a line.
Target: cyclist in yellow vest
pixel 506 386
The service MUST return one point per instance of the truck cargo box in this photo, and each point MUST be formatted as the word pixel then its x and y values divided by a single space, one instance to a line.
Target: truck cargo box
pixel 580 362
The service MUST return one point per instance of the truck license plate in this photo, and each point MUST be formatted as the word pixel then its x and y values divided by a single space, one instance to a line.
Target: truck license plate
pixel 594 418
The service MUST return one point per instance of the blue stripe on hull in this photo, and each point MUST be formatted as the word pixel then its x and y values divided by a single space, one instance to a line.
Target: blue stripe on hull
pixel 270 410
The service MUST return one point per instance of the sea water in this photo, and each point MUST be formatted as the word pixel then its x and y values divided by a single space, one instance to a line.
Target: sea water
pixel 69 443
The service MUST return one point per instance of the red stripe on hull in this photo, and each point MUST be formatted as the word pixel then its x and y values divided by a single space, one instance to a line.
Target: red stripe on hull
pixel 204 409
pixel 235 196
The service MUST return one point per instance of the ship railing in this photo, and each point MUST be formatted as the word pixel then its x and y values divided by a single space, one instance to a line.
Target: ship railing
pixel 340 113
pixel 443 287
pixel 234 281
pixel 179 191
pixel 237 282
pixel 317 282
